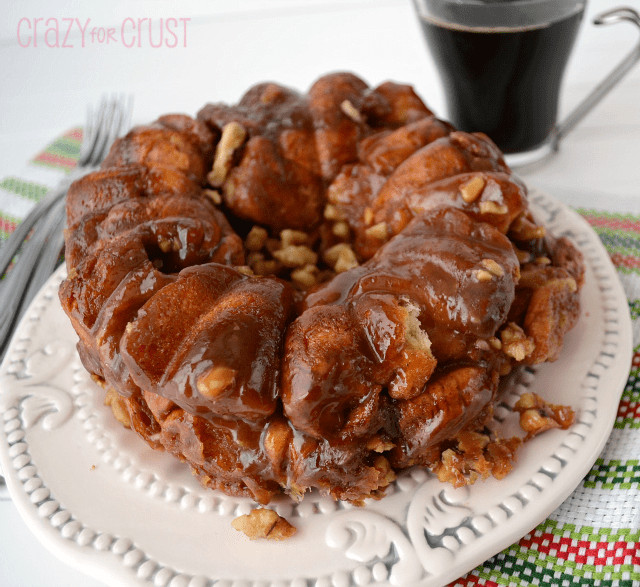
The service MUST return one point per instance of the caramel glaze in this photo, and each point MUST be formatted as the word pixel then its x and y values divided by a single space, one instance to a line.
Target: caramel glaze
pixel 349 350
pixel 263 388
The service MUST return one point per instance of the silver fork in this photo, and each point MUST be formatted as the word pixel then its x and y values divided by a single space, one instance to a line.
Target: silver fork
pixel 40 253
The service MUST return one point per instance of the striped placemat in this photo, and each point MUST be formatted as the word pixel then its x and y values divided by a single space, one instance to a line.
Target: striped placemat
pixel 593 538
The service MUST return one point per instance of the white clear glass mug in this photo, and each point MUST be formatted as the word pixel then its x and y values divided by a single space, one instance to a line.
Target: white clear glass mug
pixel 502 62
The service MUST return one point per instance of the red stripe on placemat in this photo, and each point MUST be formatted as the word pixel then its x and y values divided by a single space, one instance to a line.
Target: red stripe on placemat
pixel 628 409
pixel 58 160
pixel 471 580
pixel 7 225
pixel 584 552
pixel 629 261
pixel 74 133
pixel 613 223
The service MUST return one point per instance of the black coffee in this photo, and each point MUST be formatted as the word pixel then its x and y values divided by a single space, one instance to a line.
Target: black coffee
pixel 504 82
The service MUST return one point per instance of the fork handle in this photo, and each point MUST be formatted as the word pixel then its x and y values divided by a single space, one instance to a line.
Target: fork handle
pixel 18 236
pixel 12 295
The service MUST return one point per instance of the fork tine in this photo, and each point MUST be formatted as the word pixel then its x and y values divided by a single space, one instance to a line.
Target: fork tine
pixel 41 251
pixel 97 130
pixel 49 256
pixel 104 132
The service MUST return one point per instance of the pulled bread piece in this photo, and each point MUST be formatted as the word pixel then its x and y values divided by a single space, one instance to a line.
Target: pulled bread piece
pixel 315 291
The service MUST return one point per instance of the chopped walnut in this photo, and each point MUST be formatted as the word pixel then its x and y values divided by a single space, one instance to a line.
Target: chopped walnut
pixel 268 267
pixel 290 237
pixel 543 260
pixel 523 256
pixel 351 111
pixel 378 231
pixel 276 440
pixel 305 276
pixel 341 257
pixel 332 253
pixel 272 245
pixel 264 523
pixel 515 343
pixel 332 212
pixel 215 381
pixel 233 135
pixel 471 190
pixel 256 239
pixel 477 455
pixel 340 229
pixel 490 207
pixel 117 404
pixel 296 256
pixel 378 444
pixel 254 257
pixel 346 260
pixel 368 216
pixel 524 229
pixel 245 270
pixel 165 245
pixel 483 275
pixel 214 196
pixel 492 267
pixel 386 474
pixel 536 415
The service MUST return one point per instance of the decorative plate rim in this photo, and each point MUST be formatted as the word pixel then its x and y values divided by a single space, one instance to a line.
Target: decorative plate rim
pixel 434 526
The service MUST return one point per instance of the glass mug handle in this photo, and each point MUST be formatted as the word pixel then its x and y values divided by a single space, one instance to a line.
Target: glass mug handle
pixel 620 14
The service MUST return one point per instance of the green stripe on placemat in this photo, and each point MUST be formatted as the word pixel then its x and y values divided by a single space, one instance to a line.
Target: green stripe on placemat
pixel 611 215
pixel 63 152
pixel 516 566
pixel 614 474
pixel 618 240
pixel 26 189
pixel 589 533
pixel 523 563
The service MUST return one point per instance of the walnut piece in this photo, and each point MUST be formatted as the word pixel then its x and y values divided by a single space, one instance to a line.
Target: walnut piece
pixel 515 343
pixel 492 267
pixel 378 231
pixel 214 196
pixel 536 415
pixel 215 381
pixel 471 190
pixel 256 239
pixel 490 207
pixel 116 402
pixel 351 111
pixel 290 237
pixel 296 256
pixel 264 523
pixel 483 275
pixel 306 276
pixel 233 135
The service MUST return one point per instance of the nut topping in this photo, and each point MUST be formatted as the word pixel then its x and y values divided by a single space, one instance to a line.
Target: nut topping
pixel 215 381
pixel 490 207
pixel 264 523
pixel 471 190
pixel 492 267
pixel 233 135
pixel 351 111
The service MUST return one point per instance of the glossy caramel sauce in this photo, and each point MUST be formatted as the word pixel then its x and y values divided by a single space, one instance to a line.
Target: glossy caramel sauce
pixel 330 372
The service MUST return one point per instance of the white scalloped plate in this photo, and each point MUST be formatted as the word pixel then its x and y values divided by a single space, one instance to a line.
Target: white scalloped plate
pixel 100 499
